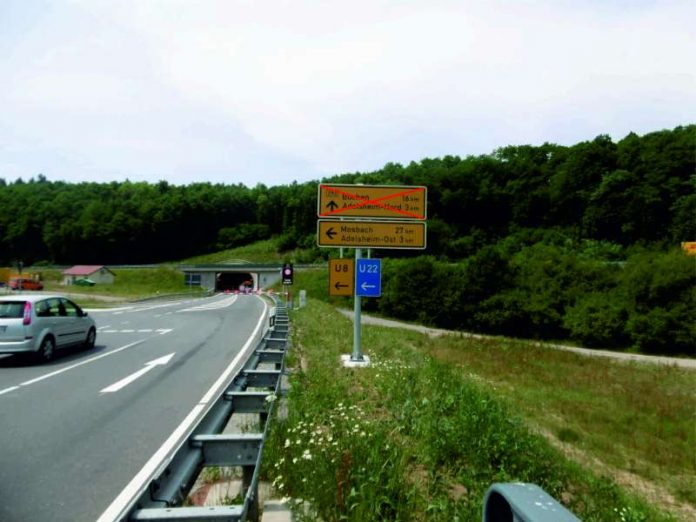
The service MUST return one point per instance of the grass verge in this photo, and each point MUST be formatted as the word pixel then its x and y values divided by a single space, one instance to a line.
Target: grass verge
pixel 129 284
pixel 414 436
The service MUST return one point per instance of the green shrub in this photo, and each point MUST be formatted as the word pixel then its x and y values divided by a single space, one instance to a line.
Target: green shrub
pixel 241 234
pixel 660 293
pixel 597 319
pixel 504 313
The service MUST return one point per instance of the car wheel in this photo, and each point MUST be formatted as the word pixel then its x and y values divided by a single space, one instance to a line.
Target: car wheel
pixel 48 349
pixel 91 339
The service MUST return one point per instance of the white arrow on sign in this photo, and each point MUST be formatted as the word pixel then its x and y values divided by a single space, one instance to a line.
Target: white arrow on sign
pixel 148 366
pixel 365 286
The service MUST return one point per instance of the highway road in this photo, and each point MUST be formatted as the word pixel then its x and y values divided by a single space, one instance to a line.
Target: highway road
pixel 76 431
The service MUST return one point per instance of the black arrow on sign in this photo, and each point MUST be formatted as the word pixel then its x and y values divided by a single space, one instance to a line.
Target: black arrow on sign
pixel 332 205
pixel 331 233
pixel 340 285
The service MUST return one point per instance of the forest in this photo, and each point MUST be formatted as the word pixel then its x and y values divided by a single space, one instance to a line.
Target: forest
pixel 546 241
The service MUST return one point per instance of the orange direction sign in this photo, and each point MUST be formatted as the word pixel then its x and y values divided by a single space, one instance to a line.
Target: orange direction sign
pixel 371 234
pixel 689 247
pixel 372 201
pixel 341 276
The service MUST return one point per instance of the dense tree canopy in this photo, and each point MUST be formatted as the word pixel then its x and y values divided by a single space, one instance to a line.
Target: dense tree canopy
pixel 639 190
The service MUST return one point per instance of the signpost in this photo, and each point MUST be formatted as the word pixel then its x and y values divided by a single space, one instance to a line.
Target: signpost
pixel 341 277
pixel 372 234
pixel 372 216
pixel 372 201
pixel 368 278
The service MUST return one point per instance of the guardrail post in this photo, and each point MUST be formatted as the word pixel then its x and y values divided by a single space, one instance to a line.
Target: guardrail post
pixel 247 481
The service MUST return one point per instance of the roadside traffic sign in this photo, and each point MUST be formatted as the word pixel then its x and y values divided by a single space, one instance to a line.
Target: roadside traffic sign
pixel 371 234
pixel 368 278
pixel 341 277
pixel 372 201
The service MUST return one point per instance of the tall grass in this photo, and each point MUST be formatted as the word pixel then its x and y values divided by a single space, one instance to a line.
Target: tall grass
pixel 411 437
pixel 267 251
pixel 636 418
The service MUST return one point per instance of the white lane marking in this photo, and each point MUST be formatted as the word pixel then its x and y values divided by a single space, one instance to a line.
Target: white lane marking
pixel 213 390
pixel 150 468
pixel 162 305
pixel 161 331
pixel 119 310
pixel 216 305
pixel 103 328
pixel 127 380
pixel 8 390
pixel 132 309
pixel 63 370
pixel 157 462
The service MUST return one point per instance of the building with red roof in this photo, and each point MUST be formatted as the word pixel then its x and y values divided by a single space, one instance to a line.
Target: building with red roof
pixel 96 273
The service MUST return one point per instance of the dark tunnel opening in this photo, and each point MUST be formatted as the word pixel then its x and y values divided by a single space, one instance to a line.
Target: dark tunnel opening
pixel 234 281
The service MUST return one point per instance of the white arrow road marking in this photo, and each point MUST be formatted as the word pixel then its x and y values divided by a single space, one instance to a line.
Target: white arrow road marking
pixel 148 366
pixel 163 331
pixel 62 370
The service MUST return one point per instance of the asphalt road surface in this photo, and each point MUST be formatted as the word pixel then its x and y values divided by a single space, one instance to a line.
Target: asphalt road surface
pixel 76 431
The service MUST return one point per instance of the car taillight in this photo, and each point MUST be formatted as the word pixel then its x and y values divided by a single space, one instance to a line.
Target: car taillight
pixel 27 314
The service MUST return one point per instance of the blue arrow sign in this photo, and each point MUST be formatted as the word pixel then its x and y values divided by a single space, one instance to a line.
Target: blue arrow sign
pixel 368 277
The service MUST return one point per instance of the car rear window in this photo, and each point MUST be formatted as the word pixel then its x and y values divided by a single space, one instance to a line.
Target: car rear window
pixel 12 309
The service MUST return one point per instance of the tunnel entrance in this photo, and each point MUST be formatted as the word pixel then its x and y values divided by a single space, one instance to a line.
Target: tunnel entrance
pixel 233 281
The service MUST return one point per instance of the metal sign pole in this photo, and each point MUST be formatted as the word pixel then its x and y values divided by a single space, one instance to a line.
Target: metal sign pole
pixel 357 349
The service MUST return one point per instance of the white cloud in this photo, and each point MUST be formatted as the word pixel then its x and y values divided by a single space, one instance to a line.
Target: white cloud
pixel 304 89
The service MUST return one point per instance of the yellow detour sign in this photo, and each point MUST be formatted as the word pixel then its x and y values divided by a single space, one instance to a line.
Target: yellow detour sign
pixel 372 201
pixel 341 276
pixel 689 247
pixel 371 234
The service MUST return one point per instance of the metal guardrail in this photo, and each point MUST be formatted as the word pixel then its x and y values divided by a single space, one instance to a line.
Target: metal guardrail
pixel 163 497
pixel 252 390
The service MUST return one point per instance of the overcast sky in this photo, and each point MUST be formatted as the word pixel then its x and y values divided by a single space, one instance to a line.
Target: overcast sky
pixel 253 91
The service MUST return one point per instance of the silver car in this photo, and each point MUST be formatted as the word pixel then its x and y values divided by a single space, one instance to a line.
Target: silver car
pixel 41 324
